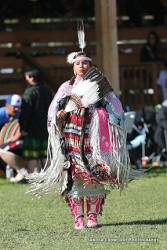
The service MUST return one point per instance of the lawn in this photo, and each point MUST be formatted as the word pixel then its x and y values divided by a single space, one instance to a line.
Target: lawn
pixel 135 220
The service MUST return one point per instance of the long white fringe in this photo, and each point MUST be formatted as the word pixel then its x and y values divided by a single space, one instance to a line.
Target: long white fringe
pixel 117 160
pixel 47 179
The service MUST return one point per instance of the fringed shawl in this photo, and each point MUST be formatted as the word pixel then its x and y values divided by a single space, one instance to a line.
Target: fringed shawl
pixel 115 157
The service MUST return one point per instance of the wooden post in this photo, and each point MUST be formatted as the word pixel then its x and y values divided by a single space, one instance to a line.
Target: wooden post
pixel 106 39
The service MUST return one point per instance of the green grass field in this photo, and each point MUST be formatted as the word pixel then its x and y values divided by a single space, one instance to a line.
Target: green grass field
pixel 130 221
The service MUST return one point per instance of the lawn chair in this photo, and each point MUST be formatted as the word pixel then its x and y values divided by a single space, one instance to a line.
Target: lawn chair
pixel 130 118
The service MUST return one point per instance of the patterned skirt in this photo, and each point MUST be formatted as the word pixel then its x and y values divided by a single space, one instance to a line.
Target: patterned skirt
pixel 77 140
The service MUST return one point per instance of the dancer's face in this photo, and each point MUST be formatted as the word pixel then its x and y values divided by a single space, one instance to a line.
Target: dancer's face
pixel 81 66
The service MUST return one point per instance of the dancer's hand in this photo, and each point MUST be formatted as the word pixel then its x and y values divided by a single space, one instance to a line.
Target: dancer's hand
pixel 61 114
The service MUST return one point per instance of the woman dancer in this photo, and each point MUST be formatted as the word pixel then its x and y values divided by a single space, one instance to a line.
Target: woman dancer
pixel 87 143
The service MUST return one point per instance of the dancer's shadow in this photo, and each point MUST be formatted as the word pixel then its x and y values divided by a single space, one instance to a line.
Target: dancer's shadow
pixel 137 222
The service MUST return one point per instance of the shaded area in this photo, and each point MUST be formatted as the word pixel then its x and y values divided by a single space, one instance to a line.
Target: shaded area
pixel 137 222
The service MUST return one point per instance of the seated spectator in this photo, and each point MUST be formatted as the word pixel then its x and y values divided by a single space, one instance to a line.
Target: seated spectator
pixel 162 80
pixel 151 51
pixel 134 143
pixel 11 110
pixel 140 142
pixel 11 150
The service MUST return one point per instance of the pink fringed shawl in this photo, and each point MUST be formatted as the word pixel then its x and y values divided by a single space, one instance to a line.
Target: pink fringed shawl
pixel 105 144
pixel 107 138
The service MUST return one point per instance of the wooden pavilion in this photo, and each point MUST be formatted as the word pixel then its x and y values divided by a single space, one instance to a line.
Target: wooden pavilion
pixel 35 38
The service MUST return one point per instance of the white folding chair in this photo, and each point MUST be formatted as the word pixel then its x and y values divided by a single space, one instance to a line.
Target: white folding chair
pixel 130 118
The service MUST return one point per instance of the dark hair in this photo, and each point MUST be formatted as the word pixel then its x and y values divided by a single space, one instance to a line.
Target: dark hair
pixel 153 33
pixel 35 73
pixel 72 80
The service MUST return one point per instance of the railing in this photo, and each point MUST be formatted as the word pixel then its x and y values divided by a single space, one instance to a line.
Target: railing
pixel 138 84
pixel 48 49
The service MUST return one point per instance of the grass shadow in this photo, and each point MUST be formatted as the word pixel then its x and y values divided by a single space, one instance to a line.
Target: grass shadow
pixel 155 171
pixel 137 222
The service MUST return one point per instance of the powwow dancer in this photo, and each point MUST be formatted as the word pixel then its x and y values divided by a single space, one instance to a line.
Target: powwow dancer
pixel 87 141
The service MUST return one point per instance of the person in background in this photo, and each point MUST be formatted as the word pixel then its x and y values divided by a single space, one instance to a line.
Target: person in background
pixel 11 110
pixel 33 120
pixel 160 135
pixel 10 148
pixel 162 80
pixel 151 51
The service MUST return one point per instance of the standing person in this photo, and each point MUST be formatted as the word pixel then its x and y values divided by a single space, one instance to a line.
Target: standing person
pixel 151 51
pixel 160 134
pixel 33 119
pixel 87 140
pixel 162 80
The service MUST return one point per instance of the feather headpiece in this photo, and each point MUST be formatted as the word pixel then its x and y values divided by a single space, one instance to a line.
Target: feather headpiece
pixel 81 42
pixel 81 35
pixel 71 56
pixel 92 88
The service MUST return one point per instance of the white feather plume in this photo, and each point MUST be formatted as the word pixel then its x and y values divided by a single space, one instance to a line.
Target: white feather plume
pixel 82 87
pixel 90 90
pixel 71 106
pixel 91 97
pixel 71 56
pixel 81 35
